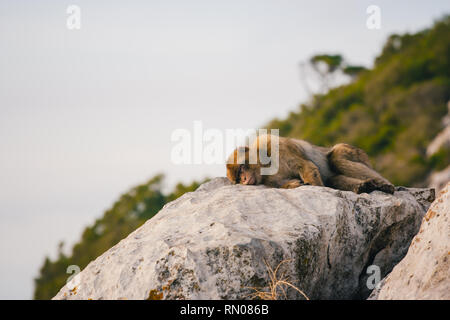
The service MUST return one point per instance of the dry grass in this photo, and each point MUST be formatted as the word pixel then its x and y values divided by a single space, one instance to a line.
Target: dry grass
pixel 277 286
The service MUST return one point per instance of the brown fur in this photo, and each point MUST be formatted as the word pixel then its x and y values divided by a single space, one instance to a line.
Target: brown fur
pixel 343 167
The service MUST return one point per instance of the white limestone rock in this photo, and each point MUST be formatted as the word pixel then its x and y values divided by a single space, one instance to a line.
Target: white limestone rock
pixel 424 273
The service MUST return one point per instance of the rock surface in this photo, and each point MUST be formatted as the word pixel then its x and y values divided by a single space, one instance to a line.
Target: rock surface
pixel 438 180
pixel 219 241
pixel 424 273
pixel 442 139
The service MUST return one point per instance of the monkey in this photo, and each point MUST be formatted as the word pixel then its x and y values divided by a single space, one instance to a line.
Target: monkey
pixel 342 166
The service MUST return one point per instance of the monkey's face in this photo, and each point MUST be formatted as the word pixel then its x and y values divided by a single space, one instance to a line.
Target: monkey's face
pixel 240 171
pixel 244 174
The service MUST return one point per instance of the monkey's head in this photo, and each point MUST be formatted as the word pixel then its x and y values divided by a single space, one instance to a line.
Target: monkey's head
pixel 240 171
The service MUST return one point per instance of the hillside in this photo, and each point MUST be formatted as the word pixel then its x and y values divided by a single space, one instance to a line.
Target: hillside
pixel 392 111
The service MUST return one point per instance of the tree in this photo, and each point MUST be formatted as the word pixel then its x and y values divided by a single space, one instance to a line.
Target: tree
pixel 325 71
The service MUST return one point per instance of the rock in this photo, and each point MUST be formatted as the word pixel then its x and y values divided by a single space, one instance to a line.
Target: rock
pixel 220 241
pixel 442 139
pixel 424 273
pixel 439 179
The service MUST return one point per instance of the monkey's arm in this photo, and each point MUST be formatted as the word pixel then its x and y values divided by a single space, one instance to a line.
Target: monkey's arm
pixel 309 173
pixel 291 184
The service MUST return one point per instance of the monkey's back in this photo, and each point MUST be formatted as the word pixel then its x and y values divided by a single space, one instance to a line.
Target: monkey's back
pixel 308 151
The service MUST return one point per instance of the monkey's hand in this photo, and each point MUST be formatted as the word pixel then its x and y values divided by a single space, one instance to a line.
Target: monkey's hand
pixel 291 184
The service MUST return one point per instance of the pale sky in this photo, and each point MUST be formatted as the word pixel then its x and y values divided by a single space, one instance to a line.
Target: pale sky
pixel 86 114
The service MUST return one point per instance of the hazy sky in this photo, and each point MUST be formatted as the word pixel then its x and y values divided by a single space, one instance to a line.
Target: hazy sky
pixel 86 114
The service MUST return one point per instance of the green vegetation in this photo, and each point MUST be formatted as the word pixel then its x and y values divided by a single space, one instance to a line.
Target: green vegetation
pixel 334 63
pixel 126 215
pixel 392 111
